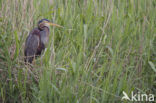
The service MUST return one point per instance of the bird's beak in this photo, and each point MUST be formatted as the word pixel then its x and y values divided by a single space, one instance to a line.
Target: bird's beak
pixel 52 24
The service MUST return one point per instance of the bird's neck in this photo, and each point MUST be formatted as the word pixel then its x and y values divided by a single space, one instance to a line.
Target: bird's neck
pixel 45 28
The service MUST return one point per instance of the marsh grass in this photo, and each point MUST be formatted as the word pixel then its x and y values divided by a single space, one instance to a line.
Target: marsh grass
pixel 105 47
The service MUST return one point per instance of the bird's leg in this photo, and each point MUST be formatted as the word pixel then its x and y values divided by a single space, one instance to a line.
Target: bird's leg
pixel 42 57
pixel 33 62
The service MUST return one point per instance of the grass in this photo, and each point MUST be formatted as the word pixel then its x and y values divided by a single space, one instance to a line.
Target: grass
pixel 106 47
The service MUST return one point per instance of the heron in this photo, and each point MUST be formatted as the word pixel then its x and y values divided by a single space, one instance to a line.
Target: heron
pixel 37 40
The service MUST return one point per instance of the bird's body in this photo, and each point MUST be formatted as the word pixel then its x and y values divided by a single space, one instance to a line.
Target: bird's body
pixel 37 40
pixel 36 43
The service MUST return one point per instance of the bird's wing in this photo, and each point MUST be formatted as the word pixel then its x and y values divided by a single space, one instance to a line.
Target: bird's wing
pixel 31 45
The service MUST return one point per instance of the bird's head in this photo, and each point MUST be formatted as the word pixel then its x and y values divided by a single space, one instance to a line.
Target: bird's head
pixel 46 23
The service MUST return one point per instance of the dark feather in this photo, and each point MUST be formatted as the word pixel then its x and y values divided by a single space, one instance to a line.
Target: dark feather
pixel 31 45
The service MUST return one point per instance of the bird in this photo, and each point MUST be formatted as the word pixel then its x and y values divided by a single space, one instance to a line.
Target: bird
pixel 37 40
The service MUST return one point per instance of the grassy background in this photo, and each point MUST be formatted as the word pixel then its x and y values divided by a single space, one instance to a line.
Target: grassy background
pixel 106 47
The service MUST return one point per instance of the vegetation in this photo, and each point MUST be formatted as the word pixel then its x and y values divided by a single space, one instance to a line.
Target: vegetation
pixel 106 47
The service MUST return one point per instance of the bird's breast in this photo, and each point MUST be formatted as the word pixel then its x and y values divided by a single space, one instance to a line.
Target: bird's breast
pixel 44 37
